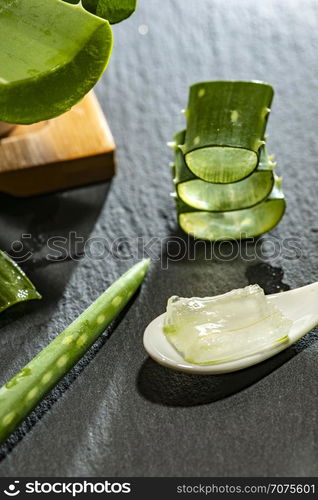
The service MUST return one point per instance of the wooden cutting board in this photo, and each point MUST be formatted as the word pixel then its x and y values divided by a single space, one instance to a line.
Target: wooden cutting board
pixel 77 148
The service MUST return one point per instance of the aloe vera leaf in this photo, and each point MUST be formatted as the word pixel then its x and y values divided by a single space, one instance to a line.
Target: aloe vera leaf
pixel 15 286
pixel 221 197
pixel 30 385
pixel 114 11
pixel 226 123
pixel 235 224
pixel 52 53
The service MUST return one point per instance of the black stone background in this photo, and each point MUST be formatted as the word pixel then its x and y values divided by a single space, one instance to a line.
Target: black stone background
pixel 118 413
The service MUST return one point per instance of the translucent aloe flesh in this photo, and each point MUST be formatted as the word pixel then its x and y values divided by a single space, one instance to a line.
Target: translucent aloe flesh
pixel 235 224
pixel 30 385
pixel 15 286
pixel 226 123
pixel 114 11
pixel 220 197
pixel 52 53
pixel 227 327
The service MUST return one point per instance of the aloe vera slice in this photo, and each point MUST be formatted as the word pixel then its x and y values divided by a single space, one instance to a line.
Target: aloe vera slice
pixel 221 197
pixel 235 224
pixel 227 327
pixel 114 11
pixel 52 54
pixel 226 123
pixel 15 286
pixel 30 385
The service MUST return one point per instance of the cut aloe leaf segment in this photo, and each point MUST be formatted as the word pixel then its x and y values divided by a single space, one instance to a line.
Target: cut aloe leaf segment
pixel 30 385
pixel 15 286
pixel 235 224
pixel 237 324
pixel 114 11
pixel 221 197
pixel 226 123
pixel 52 53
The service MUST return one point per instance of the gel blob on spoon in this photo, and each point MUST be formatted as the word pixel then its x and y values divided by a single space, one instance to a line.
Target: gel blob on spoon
pixel 230 332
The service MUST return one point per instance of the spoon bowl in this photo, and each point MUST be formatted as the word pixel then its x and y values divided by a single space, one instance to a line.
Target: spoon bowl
pixel 299 305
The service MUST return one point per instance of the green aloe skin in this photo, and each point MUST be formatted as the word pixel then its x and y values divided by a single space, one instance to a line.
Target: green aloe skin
pixel 236 224
pixel 226 123
pixel 209 196
pixel 15 286
pixel 114 11
pixel 57 52
pixel 29 386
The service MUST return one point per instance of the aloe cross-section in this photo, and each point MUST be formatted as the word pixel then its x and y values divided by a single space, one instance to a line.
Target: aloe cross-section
pixel 52 53
pixel 205 195
pixel 235 224
pixel 226 122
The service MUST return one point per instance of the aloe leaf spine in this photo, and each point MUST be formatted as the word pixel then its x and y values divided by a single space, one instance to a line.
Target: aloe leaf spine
pixel 30 385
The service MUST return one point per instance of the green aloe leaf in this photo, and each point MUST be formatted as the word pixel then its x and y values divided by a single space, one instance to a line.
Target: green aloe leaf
pixel 226 123
pixel 52 53
pixel 235 224
pixel 29 386
pixel 222 197
pixel 114 11
pixel 15 286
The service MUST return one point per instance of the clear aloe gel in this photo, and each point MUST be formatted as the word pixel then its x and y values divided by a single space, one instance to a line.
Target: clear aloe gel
pixel 226 122
pixel 214 197
pixel 227 327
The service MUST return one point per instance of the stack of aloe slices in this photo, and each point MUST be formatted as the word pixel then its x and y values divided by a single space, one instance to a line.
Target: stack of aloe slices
pixel 225 186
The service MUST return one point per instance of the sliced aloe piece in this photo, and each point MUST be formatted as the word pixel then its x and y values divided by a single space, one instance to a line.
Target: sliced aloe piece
pixel 221 197
pixel 52 54
pixel 235 224
pixel 15 286
pixel 114 11
pixel 225 128
pixel 227 327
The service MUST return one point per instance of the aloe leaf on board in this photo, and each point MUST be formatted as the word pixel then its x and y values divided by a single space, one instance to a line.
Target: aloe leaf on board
pixel 15 286
pixel 114 11
pixel 29 386
pixel 221 197
pixel 52 53
pixel 226 122
pixel 235 224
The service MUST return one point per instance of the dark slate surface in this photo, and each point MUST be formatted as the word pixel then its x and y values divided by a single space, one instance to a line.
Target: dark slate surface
pixel 119 413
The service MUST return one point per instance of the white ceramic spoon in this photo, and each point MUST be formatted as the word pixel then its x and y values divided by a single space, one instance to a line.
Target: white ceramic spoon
pixel 299 305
